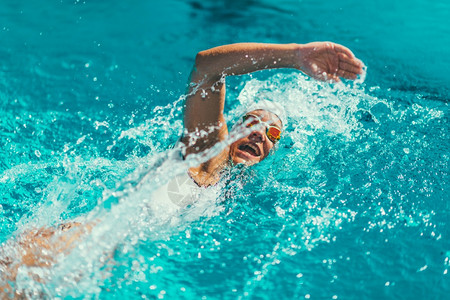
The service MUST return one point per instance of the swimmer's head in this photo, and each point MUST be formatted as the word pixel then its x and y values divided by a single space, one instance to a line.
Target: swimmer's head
pixel 266 129
pixel 269 106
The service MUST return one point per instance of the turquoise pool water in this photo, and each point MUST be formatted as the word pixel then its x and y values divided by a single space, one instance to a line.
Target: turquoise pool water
pixel 353 205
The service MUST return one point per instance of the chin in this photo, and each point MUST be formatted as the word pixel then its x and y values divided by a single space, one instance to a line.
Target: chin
pixel 237 157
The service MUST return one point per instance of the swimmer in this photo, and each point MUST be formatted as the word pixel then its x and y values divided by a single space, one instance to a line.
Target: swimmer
pixel 204 110
pixel 205 103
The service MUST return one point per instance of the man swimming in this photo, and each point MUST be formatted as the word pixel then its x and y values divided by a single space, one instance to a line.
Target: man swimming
pixel 204 120
pixel 205 126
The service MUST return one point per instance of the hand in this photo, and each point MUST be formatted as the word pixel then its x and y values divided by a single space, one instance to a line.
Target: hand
pixel 329 61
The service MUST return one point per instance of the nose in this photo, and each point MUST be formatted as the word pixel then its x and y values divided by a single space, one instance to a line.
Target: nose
pixel 257 136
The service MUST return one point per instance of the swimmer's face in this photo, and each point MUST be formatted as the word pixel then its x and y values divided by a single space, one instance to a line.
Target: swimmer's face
pixel 256 146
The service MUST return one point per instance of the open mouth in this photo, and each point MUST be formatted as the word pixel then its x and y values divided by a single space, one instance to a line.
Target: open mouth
pixel 250 149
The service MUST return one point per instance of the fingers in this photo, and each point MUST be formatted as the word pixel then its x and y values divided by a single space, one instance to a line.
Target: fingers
pixel 347 75
pixel 343 50
pixel 349 67
pixel 352 61
pixel 335 62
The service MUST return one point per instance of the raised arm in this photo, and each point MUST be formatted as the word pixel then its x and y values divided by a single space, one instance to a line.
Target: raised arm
pixel 206 97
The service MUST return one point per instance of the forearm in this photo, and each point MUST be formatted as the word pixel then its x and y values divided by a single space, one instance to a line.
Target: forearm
pixel 237 59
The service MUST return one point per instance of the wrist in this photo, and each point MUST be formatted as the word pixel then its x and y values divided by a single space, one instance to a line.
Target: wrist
pixel 298 56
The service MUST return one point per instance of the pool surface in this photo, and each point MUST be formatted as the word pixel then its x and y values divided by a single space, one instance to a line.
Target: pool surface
pixel 353 204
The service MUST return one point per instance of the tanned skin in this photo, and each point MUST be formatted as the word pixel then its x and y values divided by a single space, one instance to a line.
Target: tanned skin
pixel 204 111
pixel 204 108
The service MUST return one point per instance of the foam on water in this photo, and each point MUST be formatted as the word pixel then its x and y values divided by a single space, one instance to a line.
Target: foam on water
pixel 350 165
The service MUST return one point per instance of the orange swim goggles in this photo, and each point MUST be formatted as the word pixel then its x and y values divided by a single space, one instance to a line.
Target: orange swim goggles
pixel 273 132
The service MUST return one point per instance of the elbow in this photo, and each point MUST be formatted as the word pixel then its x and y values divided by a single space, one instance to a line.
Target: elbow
pixel 201 62
pixel 202 55
pixel 207 67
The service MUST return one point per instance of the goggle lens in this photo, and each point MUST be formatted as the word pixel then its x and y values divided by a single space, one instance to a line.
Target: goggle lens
pixel 273 133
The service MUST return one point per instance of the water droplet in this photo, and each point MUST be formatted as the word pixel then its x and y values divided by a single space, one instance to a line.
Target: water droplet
pixel 422 268
pixel 81 139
